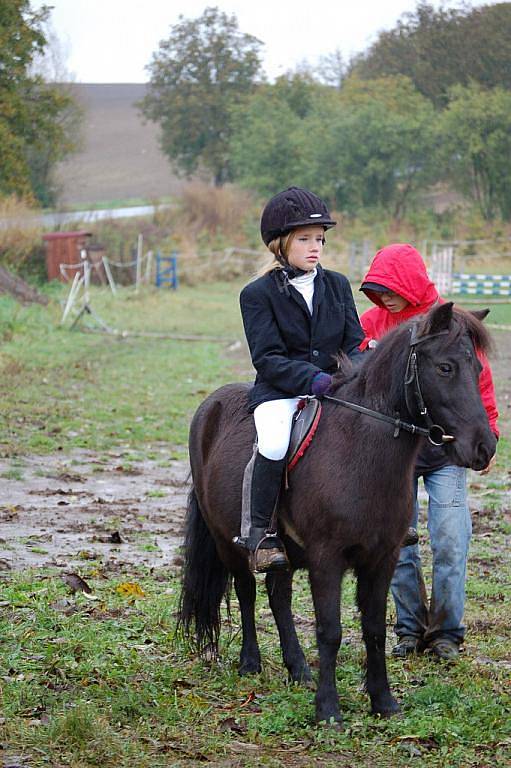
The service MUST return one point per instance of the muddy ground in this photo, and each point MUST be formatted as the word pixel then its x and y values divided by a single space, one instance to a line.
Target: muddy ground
pixel 62 511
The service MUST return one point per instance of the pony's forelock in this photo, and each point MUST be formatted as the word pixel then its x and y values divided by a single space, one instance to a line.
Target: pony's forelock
pixel 466 322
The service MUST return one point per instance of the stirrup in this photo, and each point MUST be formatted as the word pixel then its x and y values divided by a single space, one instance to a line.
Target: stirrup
pixel 262 560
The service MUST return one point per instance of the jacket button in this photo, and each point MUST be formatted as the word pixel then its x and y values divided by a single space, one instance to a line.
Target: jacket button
pixel 315 353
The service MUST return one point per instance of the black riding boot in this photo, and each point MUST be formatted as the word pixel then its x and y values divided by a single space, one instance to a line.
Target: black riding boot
pixel 267 550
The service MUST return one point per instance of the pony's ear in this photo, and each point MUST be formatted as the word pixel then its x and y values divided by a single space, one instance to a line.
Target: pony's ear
pixel 438 319
pixel 480 313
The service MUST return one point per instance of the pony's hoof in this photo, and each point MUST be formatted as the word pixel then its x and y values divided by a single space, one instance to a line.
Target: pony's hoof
pixel 390 709
pixel 249 668
pixel 302 676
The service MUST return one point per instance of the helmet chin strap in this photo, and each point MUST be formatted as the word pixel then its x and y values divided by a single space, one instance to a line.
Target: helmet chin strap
pixel 288 270
pixel 293 272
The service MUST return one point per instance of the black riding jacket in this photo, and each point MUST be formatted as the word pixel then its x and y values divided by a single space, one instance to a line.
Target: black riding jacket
pixel 288 345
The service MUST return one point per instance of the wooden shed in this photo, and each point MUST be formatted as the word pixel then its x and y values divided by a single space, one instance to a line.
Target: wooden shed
pixel 63 248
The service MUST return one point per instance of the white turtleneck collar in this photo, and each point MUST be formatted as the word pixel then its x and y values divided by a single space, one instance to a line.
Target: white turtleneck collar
pixel 304 284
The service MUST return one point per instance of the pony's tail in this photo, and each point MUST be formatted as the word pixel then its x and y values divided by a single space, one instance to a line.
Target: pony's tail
pixel 205 581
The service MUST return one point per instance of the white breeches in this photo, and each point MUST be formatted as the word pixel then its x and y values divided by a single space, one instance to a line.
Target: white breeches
pixel 273 421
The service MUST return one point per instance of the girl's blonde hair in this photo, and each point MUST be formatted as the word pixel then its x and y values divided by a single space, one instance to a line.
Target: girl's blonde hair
pixel 279 248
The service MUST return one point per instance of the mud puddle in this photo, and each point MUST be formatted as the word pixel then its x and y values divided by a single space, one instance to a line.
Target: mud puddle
pixel 61 511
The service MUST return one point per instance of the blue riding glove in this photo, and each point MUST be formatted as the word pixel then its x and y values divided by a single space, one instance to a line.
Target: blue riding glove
pixel 321 383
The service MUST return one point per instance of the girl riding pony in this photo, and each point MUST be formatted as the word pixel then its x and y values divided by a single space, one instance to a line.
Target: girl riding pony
pixel 297 317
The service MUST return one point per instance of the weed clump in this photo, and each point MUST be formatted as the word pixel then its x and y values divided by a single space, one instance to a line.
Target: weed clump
pixel 82 730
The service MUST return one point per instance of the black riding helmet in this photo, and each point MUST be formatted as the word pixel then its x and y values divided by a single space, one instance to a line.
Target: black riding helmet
pixel 295 207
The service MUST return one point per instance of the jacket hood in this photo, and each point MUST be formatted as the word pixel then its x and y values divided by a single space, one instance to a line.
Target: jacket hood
pixel 400 268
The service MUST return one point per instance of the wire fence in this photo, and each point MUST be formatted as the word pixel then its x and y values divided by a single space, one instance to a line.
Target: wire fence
pixel 447 261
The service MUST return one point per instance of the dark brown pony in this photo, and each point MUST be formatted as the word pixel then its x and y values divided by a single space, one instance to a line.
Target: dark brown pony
pixel 349 500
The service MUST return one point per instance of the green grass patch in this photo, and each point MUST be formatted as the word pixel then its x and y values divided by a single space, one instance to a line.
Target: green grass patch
pixel 108 682
pixel 66 389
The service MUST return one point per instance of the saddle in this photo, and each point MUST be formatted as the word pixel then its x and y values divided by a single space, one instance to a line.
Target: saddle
pixel 305 424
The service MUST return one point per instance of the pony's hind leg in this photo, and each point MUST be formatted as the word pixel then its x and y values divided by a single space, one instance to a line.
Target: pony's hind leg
pixel 372 590
pixel 250 658
pixel 279 587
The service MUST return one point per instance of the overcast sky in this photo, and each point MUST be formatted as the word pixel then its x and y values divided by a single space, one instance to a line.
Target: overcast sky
pixel 111 41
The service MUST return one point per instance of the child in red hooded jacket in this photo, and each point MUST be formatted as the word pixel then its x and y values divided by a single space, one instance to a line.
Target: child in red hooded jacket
pixel 398 284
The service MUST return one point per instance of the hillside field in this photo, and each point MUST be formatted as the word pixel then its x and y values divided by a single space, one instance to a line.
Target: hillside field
pixel 119 158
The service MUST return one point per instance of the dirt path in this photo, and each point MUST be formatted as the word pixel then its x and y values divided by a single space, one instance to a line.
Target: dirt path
pixel 61 511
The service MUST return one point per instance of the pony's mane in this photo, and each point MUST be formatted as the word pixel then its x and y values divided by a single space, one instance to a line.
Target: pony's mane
pixel 346 370
pixel 395 346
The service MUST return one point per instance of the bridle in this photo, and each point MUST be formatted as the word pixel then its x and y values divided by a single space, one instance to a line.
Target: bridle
pixel 434 432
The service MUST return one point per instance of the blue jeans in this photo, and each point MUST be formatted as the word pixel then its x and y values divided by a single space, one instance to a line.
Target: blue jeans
pixel 450 528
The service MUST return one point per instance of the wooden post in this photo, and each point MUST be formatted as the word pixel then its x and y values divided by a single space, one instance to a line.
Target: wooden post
pixel 86 277
pixel 140 244
pixel 75 287
pixel 109 275
pixel 148 267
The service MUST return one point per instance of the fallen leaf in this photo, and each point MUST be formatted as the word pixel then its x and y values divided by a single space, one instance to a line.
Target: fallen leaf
pixel 64 606
pixel 130 589
pixel 76 583
pixel 84 554
pixel 408 740
pixel 250 697
pixel 301 747
pixel 69 477
pixel 230 724
pixel 14 761
pixel 90 596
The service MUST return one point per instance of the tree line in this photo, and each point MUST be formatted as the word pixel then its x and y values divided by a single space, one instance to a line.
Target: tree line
pixel 429 101
pixel 38 119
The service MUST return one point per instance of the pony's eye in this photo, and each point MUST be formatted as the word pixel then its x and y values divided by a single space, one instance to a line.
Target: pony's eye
pixel 444 368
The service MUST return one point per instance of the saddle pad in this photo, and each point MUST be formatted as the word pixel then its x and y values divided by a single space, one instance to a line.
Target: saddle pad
pixel 305 423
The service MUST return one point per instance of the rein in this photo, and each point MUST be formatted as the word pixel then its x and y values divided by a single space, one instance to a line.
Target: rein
pixel 434 432
pixel 396 422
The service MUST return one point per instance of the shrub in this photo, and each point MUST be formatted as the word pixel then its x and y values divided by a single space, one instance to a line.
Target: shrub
pixel 216 210
pixel 21 234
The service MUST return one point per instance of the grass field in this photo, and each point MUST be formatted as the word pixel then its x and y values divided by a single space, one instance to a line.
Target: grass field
pixel 69 389
pixel 105 681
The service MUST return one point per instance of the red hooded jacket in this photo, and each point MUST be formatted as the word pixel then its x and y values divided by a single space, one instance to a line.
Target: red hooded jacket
pixel 401 269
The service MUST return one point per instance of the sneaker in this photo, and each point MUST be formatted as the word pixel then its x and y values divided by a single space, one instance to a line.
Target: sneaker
pixel 407 645
pixel 411 538
pixel 444 648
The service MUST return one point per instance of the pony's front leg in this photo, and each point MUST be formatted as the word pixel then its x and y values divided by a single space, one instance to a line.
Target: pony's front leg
pixel 279 587
pixel 250 658
pixel 325 580
pixel 372 591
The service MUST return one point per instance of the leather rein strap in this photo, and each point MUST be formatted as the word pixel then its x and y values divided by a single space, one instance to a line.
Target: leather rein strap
pixel 435 433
